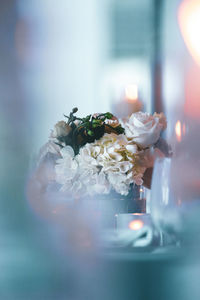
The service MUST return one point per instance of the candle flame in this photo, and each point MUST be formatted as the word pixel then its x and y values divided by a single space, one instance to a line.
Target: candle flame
pixel 189 21
pixel 131 92
pixel 178 131
pixel 136 224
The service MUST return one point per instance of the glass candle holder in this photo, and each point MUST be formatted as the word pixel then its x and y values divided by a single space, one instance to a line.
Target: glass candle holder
pixel 134 221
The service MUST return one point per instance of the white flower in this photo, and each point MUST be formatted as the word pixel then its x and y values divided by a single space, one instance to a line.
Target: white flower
pixel 88 154
pixel 80 175
pixel 50 148
pixel 110 162
pixel 118 160
pixel 66 170
pixel 144 129
pixel 162 119
pixel 90 172
pixel 114 122
pixel 96 183
pixel 61 129
pixel 119 182
pixel 115 149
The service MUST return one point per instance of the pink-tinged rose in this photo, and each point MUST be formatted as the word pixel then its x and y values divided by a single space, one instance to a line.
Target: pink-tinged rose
pixel 162 119
pixel 144 129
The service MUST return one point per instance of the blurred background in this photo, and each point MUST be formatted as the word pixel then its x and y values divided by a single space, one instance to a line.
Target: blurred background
pixel 98 56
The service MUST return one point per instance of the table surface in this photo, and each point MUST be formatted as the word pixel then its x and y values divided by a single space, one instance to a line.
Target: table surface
pixel 163 273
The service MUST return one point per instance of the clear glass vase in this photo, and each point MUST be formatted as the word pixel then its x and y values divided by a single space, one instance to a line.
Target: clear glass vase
pixel 106 207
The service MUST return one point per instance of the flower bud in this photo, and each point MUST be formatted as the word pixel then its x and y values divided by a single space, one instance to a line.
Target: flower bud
pixel 74 110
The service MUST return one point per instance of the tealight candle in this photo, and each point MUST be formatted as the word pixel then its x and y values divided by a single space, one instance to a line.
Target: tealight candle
pixel 133 221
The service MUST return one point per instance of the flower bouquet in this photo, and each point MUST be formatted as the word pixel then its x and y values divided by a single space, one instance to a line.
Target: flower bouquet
pixel 101 156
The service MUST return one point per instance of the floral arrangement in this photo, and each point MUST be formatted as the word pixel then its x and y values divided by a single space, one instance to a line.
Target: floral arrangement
pixel 99 153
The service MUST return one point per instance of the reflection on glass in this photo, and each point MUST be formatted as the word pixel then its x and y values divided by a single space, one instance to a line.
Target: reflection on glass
pixel 176 185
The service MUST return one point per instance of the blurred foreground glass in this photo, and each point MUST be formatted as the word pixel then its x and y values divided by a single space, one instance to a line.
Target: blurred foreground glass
pixel 163 204
pixel 175 203
pixel 189 21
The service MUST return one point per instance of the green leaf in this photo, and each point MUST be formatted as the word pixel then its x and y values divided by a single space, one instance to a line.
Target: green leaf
pixel 108 115
pixel 120 129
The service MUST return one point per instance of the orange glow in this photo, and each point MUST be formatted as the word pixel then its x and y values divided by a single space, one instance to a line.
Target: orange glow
pixel 178 131
pixel 189 21
pixel 131 92
pixel 136 224
pixel 138 214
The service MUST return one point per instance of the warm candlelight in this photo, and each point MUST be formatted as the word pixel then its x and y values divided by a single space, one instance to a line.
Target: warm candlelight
pixel 178 131
pixel 129 102
pixel 133 221
pixel 136 224
pixel 131 92
pixel 189 21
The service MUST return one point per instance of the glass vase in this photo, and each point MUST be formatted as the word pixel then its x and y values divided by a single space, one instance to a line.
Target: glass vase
pixel 105 207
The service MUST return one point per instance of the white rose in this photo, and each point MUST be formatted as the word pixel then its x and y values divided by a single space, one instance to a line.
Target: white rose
pixel 144 129
pixel 61 129
pixel 162 119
